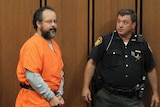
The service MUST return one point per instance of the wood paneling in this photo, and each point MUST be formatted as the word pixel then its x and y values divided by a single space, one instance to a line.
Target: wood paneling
pixel 15 28
pixel 74 33
pixel 151 25
pixel 105 14
pixel 72 37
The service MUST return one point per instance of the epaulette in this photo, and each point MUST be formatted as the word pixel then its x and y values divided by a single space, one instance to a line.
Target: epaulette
pixel 140 38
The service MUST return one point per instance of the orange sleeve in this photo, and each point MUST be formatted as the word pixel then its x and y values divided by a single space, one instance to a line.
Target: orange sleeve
pixel 31 58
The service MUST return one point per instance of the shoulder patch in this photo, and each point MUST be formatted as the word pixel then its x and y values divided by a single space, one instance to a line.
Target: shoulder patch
pixel 149 47
pixel 98 41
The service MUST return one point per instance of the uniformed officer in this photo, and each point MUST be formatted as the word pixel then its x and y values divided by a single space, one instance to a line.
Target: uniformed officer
pixel 124 57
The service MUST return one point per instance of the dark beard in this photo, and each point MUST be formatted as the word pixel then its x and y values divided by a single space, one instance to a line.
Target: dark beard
pixel 47 34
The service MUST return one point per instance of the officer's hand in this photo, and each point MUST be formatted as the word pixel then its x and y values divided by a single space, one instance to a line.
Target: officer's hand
pixel 54 101
pixel 86 95
pixel 155 100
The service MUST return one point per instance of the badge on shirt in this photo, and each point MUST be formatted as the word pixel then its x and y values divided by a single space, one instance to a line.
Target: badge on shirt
pixel 98 42
pixel 136 54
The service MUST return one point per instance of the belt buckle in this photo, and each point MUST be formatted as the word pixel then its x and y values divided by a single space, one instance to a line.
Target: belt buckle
pixel 128 93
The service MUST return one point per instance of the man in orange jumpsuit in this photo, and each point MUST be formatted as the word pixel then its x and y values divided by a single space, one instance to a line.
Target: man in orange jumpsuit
pixel 40 66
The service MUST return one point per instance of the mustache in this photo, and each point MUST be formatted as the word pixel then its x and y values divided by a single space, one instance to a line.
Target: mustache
pixel 55 30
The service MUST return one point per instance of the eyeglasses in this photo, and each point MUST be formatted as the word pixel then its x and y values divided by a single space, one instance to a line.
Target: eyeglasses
pixel 51 21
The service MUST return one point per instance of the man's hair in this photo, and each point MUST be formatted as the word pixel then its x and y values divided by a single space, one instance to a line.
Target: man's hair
pixel 38 15
pixel 130 12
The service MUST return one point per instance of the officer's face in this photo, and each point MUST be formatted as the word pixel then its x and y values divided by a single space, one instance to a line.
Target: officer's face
pixel 48 25
pixel 124 25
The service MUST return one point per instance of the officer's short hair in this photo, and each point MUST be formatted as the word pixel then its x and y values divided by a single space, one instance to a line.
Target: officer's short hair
pixel 130 12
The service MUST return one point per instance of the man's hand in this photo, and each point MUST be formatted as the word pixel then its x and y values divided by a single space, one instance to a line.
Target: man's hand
pixel 61 101
pixel 54 101
pixel 155 100
pixel 86 95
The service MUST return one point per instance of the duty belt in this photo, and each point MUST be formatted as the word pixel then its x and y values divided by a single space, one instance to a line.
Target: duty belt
pixel 124 92
pixel 26 86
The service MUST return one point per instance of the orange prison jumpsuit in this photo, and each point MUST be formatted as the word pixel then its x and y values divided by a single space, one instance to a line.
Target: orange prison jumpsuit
pixel 37 56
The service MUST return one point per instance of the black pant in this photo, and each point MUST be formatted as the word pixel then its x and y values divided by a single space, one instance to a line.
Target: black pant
pixel 106 99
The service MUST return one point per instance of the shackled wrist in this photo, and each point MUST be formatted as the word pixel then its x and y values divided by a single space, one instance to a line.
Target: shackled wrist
pixel 58 94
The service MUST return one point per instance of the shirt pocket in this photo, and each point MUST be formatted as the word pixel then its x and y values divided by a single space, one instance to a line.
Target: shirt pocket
pixel 114 58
